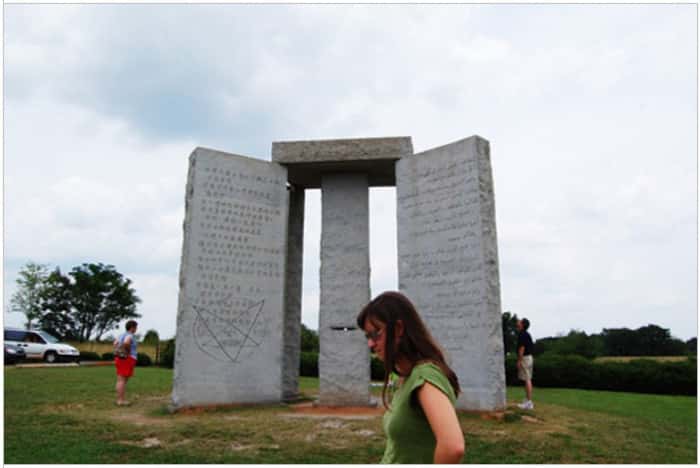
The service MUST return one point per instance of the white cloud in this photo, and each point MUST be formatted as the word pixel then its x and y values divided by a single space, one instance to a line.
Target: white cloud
pixel 159 295
pixel 89 188
pixel 590 110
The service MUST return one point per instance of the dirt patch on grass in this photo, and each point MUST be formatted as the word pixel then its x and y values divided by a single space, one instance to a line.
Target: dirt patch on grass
pixel 487 415
pixel 148 442
pixel 182 442
pixel 327 416
pixel 139 419
pixel 233 417
pixel 333 428
pixel 201 409
pixel 514 423
pixel 337 411
pixel 160 398
pixel 236 447
pixel 70 407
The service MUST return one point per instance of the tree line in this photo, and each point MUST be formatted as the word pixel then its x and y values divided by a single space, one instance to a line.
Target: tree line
pixel 649 340
pixel 83 304
pixel 93 298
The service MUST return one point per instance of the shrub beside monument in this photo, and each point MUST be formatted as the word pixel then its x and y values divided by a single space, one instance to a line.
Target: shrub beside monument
pixel 638 375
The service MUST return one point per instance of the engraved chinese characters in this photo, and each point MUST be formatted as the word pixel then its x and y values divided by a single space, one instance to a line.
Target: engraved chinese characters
pixel 448 262
pixel 231 305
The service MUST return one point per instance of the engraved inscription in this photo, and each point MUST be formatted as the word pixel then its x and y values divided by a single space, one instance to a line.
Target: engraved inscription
pixel 237 260
pixel 223 337
pixel 448 261
pixel 440 245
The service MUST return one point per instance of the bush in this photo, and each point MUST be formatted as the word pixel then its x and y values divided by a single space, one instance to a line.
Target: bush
pixel 89 356
pixel 639 375
pixel 151 337
pixel 376 369
pixel 167 353
pixel 143 360
pixel 309 339
pixel 308 364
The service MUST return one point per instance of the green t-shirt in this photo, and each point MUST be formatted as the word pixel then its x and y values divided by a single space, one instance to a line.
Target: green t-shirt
pixel 409 436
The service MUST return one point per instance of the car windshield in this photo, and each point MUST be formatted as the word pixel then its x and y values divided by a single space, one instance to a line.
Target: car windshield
pixel 47 337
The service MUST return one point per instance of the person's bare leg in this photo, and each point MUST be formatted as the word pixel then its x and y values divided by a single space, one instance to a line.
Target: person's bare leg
pixel 528 389
pixel 121 389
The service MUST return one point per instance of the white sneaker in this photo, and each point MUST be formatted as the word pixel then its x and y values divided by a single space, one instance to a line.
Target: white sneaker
pixel 526 405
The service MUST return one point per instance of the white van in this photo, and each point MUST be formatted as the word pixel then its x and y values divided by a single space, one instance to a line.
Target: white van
pixel 38 344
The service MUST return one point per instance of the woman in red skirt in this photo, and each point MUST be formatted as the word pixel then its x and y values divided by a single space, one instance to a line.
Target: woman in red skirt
pixel 125 360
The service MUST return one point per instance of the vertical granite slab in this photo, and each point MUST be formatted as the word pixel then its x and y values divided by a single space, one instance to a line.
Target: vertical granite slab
pixel 344 357
pixel 229 341
pixel 448 261
pixel 293 290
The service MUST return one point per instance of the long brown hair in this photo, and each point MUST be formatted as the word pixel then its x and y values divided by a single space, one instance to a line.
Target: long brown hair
pixel 416 343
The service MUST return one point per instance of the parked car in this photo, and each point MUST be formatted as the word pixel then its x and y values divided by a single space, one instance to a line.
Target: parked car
pixel 14 354
pixel 37 344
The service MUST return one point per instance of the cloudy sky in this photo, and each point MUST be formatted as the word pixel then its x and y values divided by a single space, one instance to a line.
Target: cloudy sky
pixel 591 111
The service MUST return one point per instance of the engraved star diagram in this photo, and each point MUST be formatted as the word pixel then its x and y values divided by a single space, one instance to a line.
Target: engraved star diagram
pixel 223 339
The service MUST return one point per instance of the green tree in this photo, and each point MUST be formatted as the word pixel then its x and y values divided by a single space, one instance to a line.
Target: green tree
pixel 101 298
pixel 309 339
pixel 510 331
pixel 57 308
pixel 619 342
pixel 91 300
pixel 650 340
pixel 26 299
pixel 151 337
pixel 692 345
pixel 167 357
pixel 579 343
pixel 547 344
pixel 596 345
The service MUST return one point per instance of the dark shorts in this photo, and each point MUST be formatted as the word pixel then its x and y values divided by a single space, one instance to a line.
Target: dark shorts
pixel 125 367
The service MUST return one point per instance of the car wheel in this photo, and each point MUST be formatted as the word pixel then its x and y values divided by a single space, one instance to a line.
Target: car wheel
pixel 50 357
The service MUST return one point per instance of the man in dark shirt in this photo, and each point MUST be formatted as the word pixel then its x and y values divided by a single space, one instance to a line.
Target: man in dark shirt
pixel 525 361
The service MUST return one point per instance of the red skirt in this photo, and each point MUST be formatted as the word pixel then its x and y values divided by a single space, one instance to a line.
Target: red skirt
pixel 125 367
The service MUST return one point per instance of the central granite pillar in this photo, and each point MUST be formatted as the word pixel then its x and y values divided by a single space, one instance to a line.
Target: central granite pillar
pixel 343 370
pixel 343 169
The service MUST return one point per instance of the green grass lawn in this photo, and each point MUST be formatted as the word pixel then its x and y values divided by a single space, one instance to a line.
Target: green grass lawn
pixel 67 415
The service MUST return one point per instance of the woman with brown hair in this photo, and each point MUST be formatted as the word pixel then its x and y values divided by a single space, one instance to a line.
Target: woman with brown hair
pixel 421 423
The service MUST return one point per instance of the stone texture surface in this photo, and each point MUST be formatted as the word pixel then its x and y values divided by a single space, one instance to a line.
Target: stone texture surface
pixel 344 357
pixel 293 290
pixel 448 261
pixel 231 302
pixel 307 161
pixel 347 149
